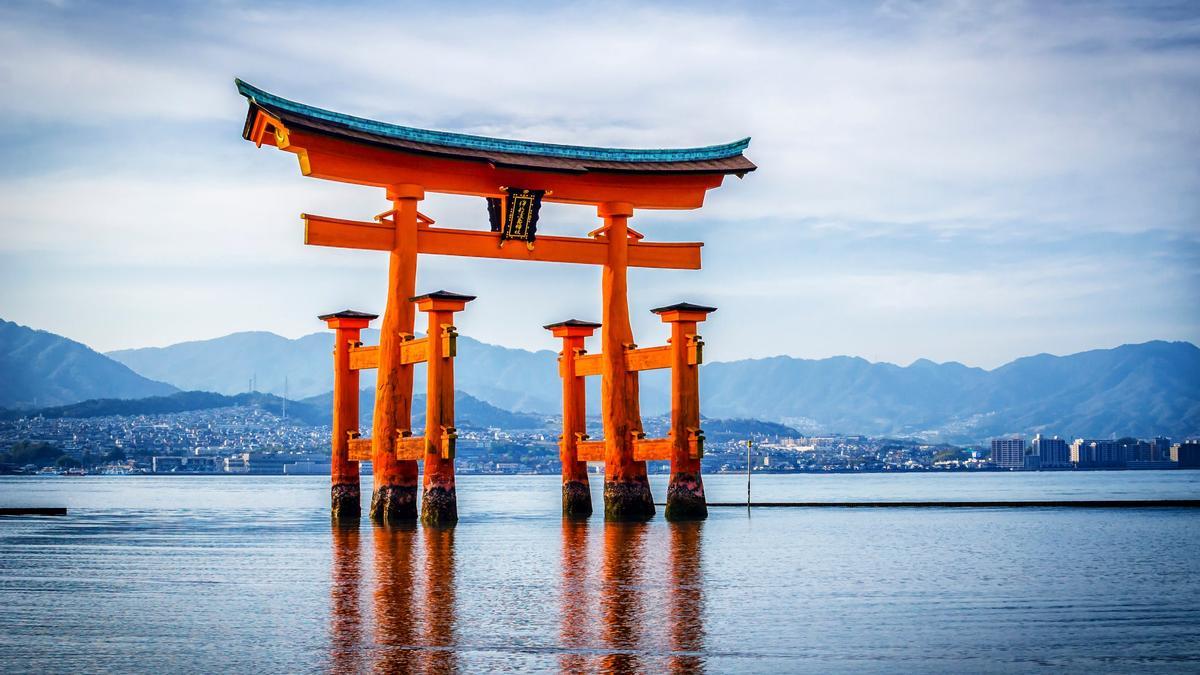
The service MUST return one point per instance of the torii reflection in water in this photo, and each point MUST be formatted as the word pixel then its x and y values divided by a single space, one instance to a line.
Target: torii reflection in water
pixel 414 627
pixel 639 607
pixel 625 639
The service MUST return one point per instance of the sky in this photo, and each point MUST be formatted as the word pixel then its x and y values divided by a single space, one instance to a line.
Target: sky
pixel 957 181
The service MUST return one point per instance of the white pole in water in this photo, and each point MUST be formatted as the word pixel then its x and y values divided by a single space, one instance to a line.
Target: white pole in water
pixel 748 444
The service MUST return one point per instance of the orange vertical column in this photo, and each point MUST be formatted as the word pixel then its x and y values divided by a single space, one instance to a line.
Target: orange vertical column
pixel 626 488
pixel 345 500
pixel 685 492
pixel 439 506
pixel 576 494
pixel 395 495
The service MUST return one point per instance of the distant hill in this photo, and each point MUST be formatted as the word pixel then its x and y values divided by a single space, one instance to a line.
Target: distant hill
pixel 721 429
pixel 1142 389
pixel 184 401
pixel 39 369
pixel 1136 390
pixel 513 379
pixel 469 412
pixel 225 365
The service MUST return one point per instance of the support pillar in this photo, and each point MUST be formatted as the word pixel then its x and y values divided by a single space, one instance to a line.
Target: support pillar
pixel 395 495
pixel 626 487
pixel 344 492
pixel 685 492
pixel 439 506
pixel 576 493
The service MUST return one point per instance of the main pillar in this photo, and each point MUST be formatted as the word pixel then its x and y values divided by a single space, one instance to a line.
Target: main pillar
pixel 685 492
pixel 440 503
pixel 626 488
pixel 395 495
pixel 576 493
pixel 344 492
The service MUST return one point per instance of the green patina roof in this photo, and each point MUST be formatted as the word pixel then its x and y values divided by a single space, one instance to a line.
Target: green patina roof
pixel 271 102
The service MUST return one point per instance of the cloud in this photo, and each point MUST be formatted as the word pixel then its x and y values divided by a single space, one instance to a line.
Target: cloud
pixel 911 154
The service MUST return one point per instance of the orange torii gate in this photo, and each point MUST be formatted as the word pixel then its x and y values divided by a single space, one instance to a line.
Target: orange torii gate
pixel 407 163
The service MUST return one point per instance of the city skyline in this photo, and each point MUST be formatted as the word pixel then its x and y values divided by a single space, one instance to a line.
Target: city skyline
pixel 936 169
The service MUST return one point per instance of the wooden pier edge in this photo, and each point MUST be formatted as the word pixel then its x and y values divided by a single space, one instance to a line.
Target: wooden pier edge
pixel 33 511
pixel 1067 503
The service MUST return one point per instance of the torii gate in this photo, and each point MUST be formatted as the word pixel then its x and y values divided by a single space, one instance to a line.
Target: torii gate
pixel 409 162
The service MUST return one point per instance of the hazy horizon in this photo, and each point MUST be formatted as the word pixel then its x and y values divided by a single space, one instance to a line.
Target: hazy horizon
pixel 554 349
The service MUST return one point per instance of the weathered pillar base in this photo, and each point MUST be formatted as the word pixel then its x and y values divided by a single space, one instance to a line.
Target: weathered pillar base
pixel 576 499
pixel 394 504
pixel 440 506
pixel 685 498
pixel 345 502
pixel 628 501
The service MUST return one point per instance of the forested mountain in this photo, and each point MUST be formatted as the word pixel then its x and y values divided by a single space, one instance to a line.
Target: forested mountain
pixel 1137 390
pixel 39 369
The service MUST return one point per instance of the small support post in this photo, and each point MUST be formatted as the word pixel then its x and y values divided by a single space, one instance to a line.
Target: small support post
pixel 576 494
pixel 626 487
pixel 685 492
pixel 345 501
pixel 440 503
pixel 395 496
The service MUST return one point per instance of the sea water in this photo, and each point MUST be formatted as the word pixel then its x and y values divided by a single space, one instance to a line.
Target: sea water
pixel 245 573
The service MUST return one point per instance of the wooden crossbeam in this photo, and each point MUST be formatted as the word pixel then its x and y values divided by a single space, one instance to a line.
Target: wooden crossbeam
pixel 588 364
pixel 323 231
pixel 411 448
pixel 360 449
pixel 411 351
pixel 340 233
pixel 644 449
pixel 590 451
pixel 414 351
pixel 648 358
pixel 651 449
pixel 407 447
pixel 362 358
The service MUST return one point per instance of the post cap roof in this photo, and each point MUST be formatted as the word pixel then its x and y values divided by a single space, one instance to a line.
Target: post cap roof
pixel 683 307
pixel 572 323
pixel 348 314
pixel 442 295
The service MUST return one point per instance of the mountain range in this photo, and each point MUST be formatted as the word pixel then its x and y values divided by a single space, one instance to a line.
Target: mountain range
pixel 1132 390
pixel 1137 390
pixel 41 369
pixel 470 412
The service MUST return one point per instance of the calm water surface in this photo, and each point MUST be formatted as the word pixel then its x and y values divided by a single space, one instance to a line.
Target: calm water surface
pixel 240 574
